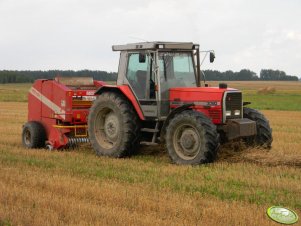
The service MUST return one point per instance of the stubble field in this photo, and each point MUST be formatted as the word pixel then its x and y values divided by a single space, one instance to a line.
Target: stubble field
pixel 75 187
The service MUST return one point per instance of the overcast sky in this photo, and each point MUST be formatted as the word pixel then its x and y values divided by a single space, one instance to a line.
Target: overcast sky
pixel 78 34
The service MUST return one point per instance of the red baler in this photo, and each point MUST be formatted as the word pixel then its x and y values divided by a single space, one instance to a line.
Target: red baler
pixel 58 112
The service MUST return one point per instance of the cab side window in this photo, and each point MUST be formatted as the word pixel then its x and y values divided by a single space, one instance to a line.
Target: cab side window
pixel 138 74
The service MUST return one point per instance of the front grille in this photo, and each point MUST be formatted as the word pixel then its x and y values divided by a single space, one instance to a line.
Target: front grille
pixel 233 102
pixel 214 114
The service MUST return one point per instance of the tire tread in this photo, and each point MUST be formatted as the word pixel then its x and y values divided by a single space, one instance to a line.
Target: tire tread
pixel 264 136
pixel 38 134
pixel 211 137
pixel 131 124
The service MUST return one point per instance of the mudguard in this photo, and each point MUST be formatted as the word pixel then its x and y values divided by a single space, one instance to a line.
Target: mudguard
pixel 127 92
pixel 170 116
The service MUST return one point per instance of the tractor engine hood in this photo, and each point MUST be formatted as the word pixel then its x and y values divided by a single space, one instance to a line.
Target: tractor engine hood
pixel 204 96
pixel 211 101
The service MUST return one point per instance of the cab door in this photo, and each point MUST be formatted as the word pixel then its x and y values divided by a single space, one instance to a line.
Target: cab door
pixel 141 78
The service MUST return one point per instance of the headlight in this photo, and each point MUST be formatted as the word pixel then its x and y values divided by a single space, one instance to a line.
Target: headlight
pixel 237 112
pixel 228 113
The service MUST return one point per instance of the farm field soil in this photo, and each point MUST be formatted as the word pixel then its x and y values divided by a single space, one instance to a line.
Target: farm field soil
pixel 74 187
pixel 14 92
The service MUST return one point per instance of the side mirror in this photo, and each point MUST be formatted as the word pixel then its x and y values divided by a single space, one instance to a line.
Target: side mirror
pixel 141 57
pixel 212 57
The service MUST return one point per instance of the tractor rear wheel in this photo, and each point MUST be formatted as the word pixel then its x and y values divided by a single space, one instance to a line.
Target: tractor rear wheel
pixel 33 135
pixel 113 126
pixel 264 132
pixel 191 138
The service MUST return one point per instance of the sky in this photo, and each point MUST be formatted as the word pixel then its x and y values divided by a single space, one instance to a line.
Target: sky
pixel 77 34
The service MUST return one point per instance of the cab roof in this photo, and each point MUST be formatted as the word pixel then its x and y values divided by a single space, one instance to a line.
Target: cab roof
pixel 156 45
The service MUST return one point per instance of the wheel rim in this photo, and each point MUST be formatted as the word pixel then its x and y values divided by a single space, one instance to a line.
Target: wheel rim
pixel 27 137
pixel 107 128
pixel 187 142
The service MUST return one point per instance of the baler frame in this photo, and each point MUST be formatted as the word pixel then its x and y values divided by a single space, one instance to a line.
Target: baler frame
pixel 61 107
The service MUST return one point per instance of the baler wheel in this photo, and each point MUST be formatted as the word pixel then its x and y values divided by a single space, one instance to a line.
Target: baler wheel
pixel 113 126
pixel 33 135
pixel 264 132
pixel 191 138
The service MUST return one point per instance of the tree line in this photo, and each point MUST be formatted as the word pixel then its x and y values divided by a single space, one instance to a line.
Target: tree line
pixel 7 76
pixel 248 75
pixel 30 76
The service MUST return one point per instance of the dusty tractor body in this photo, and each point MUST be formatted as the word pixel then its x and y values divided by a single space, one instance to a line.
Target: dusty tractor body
pixel 158 98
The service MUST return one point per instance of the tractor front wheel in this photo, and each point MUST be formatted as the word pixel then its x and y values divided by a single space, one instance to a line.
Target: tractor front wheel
pixel 113 126
pixel 264 132
pixel 191 138
pixel 33 135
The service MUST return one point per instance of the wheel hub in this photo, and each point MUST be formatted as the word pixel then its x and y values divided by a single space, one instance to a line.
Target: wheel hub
pixel 111 126
pixel 27 137
pixel 189 141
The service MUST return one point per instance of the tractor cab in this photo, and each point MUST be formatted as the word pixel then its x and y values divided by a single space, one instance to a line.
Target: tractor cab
pixel 152 69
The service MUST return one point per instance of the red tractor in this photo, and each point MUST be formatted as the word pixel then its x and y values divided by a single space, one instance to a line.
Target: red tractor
pixel 158 98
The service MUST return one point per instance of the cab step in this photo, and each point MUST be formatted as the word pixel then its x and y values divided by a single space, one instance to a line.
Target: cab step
pixel 149 130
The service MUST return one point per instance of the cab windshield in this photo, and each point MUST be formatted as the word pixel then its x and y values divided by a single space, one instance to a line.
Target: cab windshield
pixel 176 69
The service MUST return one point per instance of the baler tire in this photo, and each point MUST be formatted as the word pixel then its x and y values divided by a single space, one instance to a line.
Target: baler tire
pixel 33 135
pixel 113 126
pixel 202 128
pixel 264 136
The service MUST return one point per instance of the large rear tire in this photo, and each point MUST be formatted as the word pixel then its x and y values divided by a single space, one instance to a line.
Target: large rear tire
pixel 33 135
pixel 264 132
pixel 113 126
pixel 191 138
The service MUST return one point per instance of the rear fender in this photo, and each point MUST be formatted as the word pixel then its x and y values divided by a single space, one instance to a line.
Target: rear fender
pixel 171 115
pixel 126 92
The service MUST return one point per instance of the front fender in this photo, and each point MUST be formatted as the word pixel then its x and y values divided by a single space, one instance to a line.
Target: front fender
pixel 126 91
pixel 170 116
